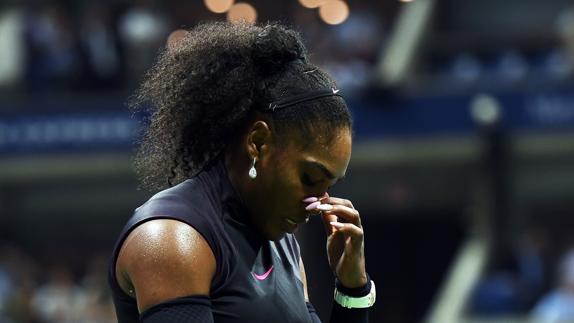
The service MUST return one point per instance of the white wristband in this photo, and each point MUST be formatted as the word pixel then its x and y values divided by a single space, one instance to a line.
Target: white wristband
pixel 357 302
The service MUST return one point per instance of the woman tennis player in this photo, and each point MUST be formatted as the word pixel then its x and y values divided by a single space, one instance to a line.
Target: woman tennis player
pixel 245 138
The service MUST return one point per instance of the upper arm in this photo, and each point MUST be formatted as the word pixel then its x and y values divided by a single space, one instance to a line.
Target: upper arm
pixel 165 259
pixel 303 278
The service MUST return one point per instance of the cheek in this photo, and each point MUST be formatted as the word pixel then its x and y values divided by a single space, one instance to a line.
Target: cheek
pixel 286 184
pixel 281 172
pixel 285 189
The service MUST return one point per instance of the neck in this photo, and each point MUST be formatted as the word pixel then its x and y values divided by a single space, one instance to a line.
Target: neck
pixel 237 168
pixel 237 165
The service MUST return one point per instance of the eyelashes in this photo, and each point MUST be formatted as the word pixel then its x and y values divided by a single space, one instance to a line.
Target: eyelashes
pixel 306 180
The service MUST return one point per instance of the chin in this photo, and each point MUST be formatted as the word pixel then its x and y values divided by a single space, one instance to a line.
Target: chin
pixel 271 230
pixel 276 235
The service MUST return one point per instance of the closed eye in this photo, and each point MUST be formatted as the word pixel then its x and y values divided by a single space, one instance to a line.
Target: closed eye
pixel 306 180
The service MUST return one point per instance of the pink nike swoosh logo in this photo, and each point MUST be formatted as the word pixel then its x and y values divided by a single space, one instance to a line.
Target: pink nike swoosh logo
pixel 264 276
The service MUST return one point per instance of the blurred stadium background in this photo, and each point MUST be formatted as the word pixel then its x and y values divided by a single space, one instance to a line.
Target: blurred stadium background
pixel 463 165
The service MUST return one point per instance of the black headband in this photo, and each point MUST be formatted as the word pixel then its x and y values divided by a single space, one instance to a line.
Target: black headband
pixel 308 96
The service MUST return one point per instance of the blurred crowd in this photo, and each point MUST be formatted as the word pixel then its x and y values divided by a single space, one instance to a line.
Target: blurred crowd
pixel 89 47
pixel 533 281
pixel 534 278
pixel 61 45
pixel 57 288
pixel 534 55
pixel 102 45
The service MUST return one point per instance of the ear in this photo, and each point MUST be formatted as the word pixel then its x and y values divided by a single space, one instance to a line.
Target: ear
pixel 258 140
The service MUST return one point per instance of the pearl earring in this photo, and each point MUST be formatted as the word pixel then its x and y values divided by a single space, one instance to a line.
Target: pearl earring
pixel 252 170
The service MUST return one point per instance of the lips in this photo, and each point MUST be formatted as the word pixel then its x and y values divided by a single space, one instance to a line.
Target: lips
pixel 297 222
pixel 291 221
pixel 312 207
pixel 291 225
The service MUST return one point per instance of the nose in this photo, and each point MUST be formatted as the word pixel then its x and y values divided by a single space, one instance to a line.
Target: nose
pixel 323 196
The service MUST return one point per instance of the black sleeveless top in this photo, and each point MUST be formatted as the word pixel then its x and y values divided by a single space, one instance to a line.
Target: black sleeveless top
pixel 256 280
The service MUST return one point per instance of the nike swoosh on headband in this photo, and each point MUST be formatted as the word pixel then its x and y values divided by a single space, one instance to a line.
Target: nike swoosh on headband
pixel 264 276
pixel 307 96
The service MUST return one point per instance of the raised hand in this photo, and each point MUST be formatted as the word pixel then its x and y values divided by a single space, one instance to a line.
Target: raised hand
pixel 345 240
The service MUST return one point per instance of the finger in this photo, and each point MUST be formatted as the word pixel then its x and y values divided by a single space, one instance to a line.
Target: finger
pixel 339 201
pixel 324 197
pixel 313 202
pixel 312 206
pixel 349 230
pixel 345 213
pixel 327 219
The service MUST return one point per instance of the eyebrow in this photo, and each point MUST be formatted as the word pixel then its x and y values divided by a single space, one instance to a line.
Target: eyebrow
pixel 324 169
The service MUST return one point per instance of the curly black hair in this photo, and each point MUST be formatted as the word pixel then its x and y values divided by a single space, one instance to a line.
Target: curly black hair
pixel 202 91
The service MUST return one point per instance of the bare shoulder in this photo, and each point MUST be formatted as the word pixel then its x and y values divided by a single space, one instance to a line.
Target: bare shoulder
pixel 164 259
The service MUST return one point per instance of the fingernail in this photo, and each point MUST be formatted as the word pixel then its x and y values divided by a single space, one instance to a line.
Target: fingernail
pixel 310 199
pixel 312 206
pixel 325 207
pixel 337 224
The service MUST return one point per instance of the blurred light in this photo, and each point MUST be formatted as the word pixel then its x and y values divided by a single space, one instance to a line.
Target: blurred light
pixel 218 6
pixel 312 3
pixel 141 27
pixel 406 0
pixel 242 12
pixel 334 12
pixel 175 37
pixel 485 109
pixel 12 48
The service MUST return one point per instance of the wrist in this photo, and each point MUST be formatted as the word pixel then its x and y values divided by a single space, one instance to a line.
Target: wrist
pixel 359 297
pixel 353 282
pixel 359 291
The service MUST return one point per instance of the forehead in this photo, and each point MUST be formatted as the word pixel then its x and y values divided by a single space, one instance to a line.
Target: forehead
pixel 333 151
